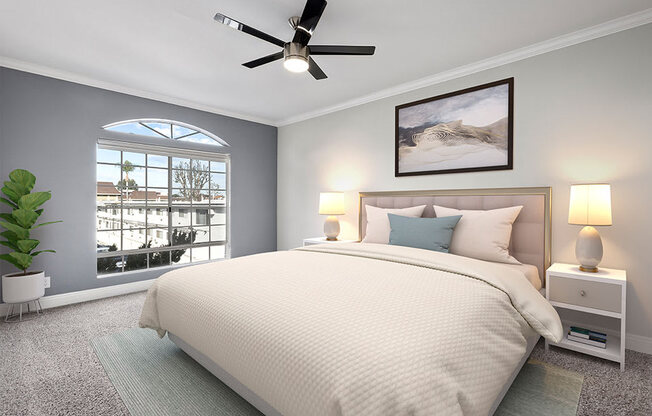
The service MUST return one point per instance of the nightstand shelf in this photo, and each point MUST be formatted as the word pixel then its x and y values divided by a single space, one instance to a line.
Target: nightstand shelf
pixel 602 294
pixel 612 352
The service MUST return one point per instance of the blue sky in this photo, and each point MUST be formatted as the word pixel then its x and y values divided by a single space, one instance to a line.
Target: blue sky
pixel 164 128
pixel 157 172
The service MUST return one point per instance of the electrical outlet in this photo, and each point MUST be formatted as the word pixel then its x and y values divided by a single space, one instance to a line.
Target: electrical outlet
pixel 47 282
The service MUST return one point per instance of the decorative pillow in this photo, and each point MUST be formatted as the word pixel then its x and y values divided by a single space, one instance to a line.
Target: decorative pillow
pixel 427 233
pixel 482 235
pixel 378 224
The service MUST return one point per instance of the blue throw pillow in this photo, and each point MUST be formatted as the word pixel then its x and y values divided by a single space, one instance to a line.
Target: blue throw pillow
pixel 427 233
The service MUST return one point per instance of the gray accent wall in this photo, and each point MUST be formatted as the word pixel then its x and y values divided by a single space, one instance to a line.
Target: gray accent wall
pixel 50 127
pixel 581 114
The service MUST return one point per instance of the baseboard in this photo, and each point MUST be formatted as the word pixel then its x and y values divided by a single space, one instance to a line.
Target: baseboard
pixel 639 343
pixel 70 298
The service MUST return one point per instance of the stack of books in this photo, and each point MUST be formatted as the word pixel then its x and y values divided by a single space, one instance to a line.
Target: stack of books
pixel 586 336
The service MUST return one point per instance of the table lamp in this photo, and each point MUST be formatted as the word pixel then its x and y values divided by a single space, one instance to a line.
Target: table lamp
pixel 331 204
pixel 590 204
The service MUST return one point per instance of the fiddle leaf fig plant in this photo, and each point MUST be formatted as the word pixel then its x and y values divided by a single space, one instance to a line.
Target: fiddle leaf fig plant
pixel 22 220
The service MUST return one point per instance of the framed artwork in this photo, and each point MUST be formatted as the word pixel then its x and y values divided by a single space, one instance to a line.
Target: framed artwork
pixel 469 130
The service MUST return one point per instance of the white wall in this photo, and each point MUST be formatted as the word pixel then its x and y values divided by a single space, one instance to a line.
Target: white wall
pixel 581 114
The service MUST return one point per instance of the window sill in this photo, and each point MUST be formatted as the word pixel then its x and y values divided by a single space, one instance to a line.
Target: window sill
pixel 165 268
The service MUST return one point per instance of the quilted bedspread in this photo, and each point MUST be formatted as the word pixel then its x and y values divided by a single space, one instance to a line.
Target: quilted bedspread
pixel 357 329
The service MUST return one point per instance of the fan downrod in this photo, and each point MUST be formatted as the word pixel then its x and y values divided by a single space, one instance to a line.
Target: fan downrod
pixel 294 22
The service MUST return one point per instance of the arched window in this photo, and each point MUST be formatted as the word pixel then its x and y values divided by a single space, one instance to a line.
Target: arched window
pixel 159 205
pixel 174 130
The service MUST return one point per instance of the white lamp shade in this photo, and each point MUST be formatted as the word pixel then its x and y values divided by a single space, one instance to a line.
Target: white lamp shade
pixel 590 204
pixel 331 203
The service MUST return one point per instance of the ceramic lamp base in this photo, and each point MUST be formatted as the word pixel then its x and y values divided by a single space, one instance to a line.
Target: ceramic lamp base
pixel 588 249
pixel 331 228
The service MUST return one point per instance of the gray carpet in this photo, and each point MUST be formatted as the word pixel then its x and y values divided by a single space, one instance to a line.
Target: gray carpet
pixel 48 366
pixel 155 378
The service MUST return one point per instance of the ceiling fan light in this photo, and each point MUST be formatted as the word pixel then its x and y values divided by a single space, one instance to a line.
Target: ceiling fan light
pixel 296 64
pixel 295 57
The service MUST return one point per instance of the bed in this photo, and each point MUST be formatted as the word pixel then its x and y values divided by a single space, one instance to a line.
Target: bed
pixel 354 329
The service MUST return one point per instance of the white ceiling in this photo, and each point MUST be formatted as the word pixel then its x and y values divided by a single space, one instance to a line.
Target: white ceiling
pixel 173 50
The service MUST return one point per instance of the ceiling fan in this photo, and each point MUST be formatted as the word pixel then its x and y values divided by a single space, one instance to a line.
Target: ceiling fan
pixel 296 54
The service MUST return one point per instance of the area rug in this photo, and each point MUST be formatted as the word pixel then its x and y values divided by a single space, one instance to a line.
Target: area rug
pixel 154 377
pixel 542 389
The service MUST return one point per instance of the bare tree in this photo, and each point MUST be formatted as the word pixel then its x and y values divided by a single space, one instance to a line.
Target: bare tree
pixel 192 179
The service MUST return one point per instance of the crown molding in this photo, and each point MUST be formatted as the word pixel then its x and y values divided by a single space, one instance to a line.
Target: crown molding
pixel 79 79
pixel 563 41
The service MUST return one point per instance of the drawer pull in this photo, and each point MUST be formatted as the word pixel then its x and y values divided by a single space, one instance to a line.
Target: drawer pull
pixel 582 293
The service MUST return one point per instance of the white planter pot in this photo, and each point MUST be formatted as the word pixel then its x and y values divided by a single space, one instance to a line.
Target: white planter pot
pixel 17 288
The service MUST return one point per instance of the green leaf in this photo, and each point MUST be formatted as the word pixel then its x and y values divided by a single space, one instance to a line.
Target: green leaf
pixel 24 178
pixel 36 253
pixel 8 202
pixel 46 223
pixel 11 194
pixel 19 189
pixel 24 260
pixel 20 232
pixel 33 200
pixel 10 235
pixel 25 246
pixel 25 217
pixel 39 212
pixel 11 244
pixel 7 217
pixel 7 257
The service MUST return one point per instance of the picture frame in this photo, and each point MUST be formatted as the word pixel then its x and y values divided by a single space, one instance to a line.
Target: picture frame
pixel 468 130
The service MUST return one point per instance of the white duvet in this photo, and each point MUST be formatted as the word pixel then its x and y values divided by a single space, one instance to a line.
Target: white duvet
pixel 357 329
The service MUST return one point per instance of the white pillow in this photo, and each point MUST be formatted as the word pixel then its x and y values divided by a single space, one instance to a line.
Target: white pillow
pixel 378 227
pixel 482 235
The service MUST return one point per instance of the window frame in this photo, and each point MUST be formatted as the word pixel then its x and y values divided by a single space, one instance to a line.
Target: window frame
pixel 170 152
pixel 219 142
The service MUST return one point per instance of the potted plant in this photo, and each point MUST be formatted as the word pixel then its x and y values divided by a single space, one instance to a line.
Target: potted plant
pixel 24 286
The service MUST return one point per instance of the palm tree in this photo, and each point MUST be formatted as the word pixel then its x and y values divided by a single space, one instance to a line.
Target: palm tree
pixel 126 168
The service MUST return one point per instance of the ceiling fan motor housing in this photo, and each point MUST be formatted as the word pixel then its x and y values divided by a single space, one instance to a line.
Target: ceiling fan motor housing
pixel 294 50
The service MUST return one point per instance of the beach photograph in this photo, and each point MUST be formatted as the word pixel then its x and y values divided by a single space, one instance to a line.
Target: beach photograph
pixel 468 130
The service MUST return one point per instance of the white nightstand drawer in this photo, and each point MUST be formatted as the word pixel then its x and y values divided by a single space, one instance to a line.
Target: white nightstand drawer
pixel 597 295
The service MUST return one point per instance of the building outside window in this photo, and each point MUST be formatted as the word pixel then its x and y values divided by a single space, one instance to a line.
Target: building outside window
pixel 201 216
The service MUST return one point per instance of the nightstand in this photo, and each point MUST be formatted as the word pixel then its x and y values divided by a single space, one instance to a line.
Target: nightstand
pixel 322 240
pixel 602 294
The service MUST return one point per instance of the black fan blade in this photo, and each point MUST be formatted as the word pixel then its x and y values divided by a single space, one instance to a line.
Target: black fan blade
pixel 309 18
pixel 341 50
pixel 248 29
pixel 315 70
pixel 264 60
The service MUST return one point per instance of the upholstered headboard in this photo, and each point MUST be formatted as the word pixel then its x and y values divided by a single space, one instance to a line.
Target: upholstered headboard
pixel 530 241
